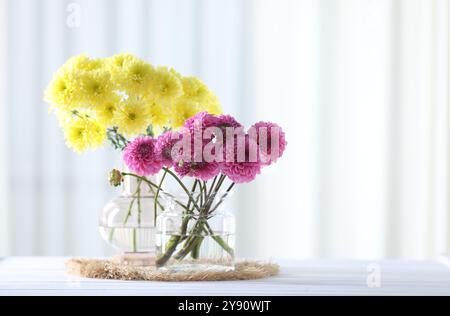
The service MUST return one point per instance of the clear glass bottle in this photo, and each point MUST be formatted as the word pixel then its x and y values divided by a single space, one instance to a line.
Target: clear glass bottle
pixel 127 223
pixel 190 239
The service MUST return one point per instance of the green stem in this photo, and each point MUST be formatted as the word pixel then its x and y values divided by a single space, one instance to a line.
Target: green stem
pixel 174 240
pixel 223 197
pixel 194 186
pixel 224 245
pixel 196 249
pixel 134 240
pixel 212 185
pixel 220 240
pixel 201 194
pixel 151 184
pixel 205 191
pixel 184 188
pixel 191 243
pixel 159 203
pixel 138 190
pixel 171 245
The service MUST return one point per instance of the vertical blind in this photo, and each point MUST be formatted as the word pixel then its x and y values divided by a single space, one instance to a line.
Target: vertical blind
pixel 360 86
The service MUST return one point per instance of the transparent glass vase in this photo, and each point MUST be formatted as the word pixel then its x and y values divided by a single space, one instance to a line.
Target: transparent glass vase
pixel 195 238
pixel 127 223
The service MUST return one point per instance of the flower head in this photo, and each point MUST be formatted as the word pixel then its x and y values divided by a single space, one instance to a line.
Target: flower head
pixel 80 83
pixel 182 109
pixel 127 93
pixel 199 170
pixel 117 62
pixel 132 117
pixel 106 110
pixel 165 86
pixel 159 113
pixel 164 146
pixel 115 177
pixel 82 63
pixel 61 92
pixel 196 91
pixel 82 133
pixel 225 120
pixel 194 88
pixel 244 164
pixel 201 121
pixel 140 156
pixel 269 136
pixel 190 160
pixel 241 172
pixel 212 105
pixel 96 87
pixel 130 73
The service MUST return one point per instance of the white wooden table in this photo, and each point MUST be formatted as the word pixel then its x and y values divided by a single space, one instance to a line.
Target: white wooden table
pixel 46 276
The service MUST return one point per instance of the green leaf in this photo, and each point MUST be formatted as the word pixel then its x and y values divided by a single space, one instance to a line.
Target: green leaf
pixel 149 131
pixel 118 141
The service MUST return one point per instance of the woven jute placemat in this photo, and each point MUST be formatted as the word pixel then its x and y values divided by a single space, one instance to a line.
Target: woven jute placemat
pixel 109 269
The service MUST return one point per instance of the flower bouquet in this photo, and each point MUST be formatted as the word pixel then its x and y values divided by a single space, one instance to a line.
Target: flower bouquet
pixel 171 126
pixel 114 100
pixel 210 149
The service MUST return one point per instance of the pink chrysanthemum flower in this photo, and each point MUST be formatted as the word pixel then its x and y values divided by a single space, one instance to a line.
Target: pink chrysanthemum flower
pixel 140 156
pixel 200 121
pixel 225 120
pixel 189 161
pixel 199 170
pixel 241 172
pixel 213 128
pixel 196 126
pixel 245 166
pixel 278 140
pixel 164 145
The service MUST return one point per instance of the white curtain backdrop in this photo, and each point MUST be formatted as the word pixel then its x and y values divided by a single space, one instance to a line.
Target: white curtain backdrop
pixel 360 86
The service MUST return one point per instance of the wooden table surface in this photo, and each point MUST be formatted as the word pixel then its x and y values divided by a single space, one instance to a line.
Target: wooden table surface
pixel 46 276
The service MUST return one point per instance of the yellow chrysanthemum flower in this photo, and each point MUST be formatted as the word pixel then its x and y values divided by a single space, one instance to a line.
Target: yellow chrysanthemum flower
pixel 130 73
pixel 132 117
pixel 159 113
pixel 84 133
pixel 211 105
pixel 194 88
pixel 90 95
pixel 105 112
pixel 197 91
pixel 176 74
pixel 116 62
pixel 83 62
pixel 182 109
pixel 61 92
pixel 165 86
pixel 96 87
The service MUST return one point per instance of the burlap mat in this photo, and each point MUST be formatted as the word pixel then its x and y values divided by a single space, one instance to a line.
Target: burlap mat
pixel 108 269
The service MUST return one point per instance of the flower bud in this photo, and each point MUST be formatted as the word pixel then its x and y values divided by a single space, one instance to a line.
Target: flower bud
pixel 115 177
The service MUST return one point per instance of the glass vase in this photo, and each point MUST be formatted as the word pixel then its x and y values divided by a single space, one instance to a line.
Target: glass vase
pixel 195 238
pixel 127 223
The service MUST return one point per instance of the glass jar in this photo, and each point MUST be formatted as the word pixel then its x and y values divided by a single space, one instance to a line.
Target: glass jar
pixel 127 223
pixel 195 238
